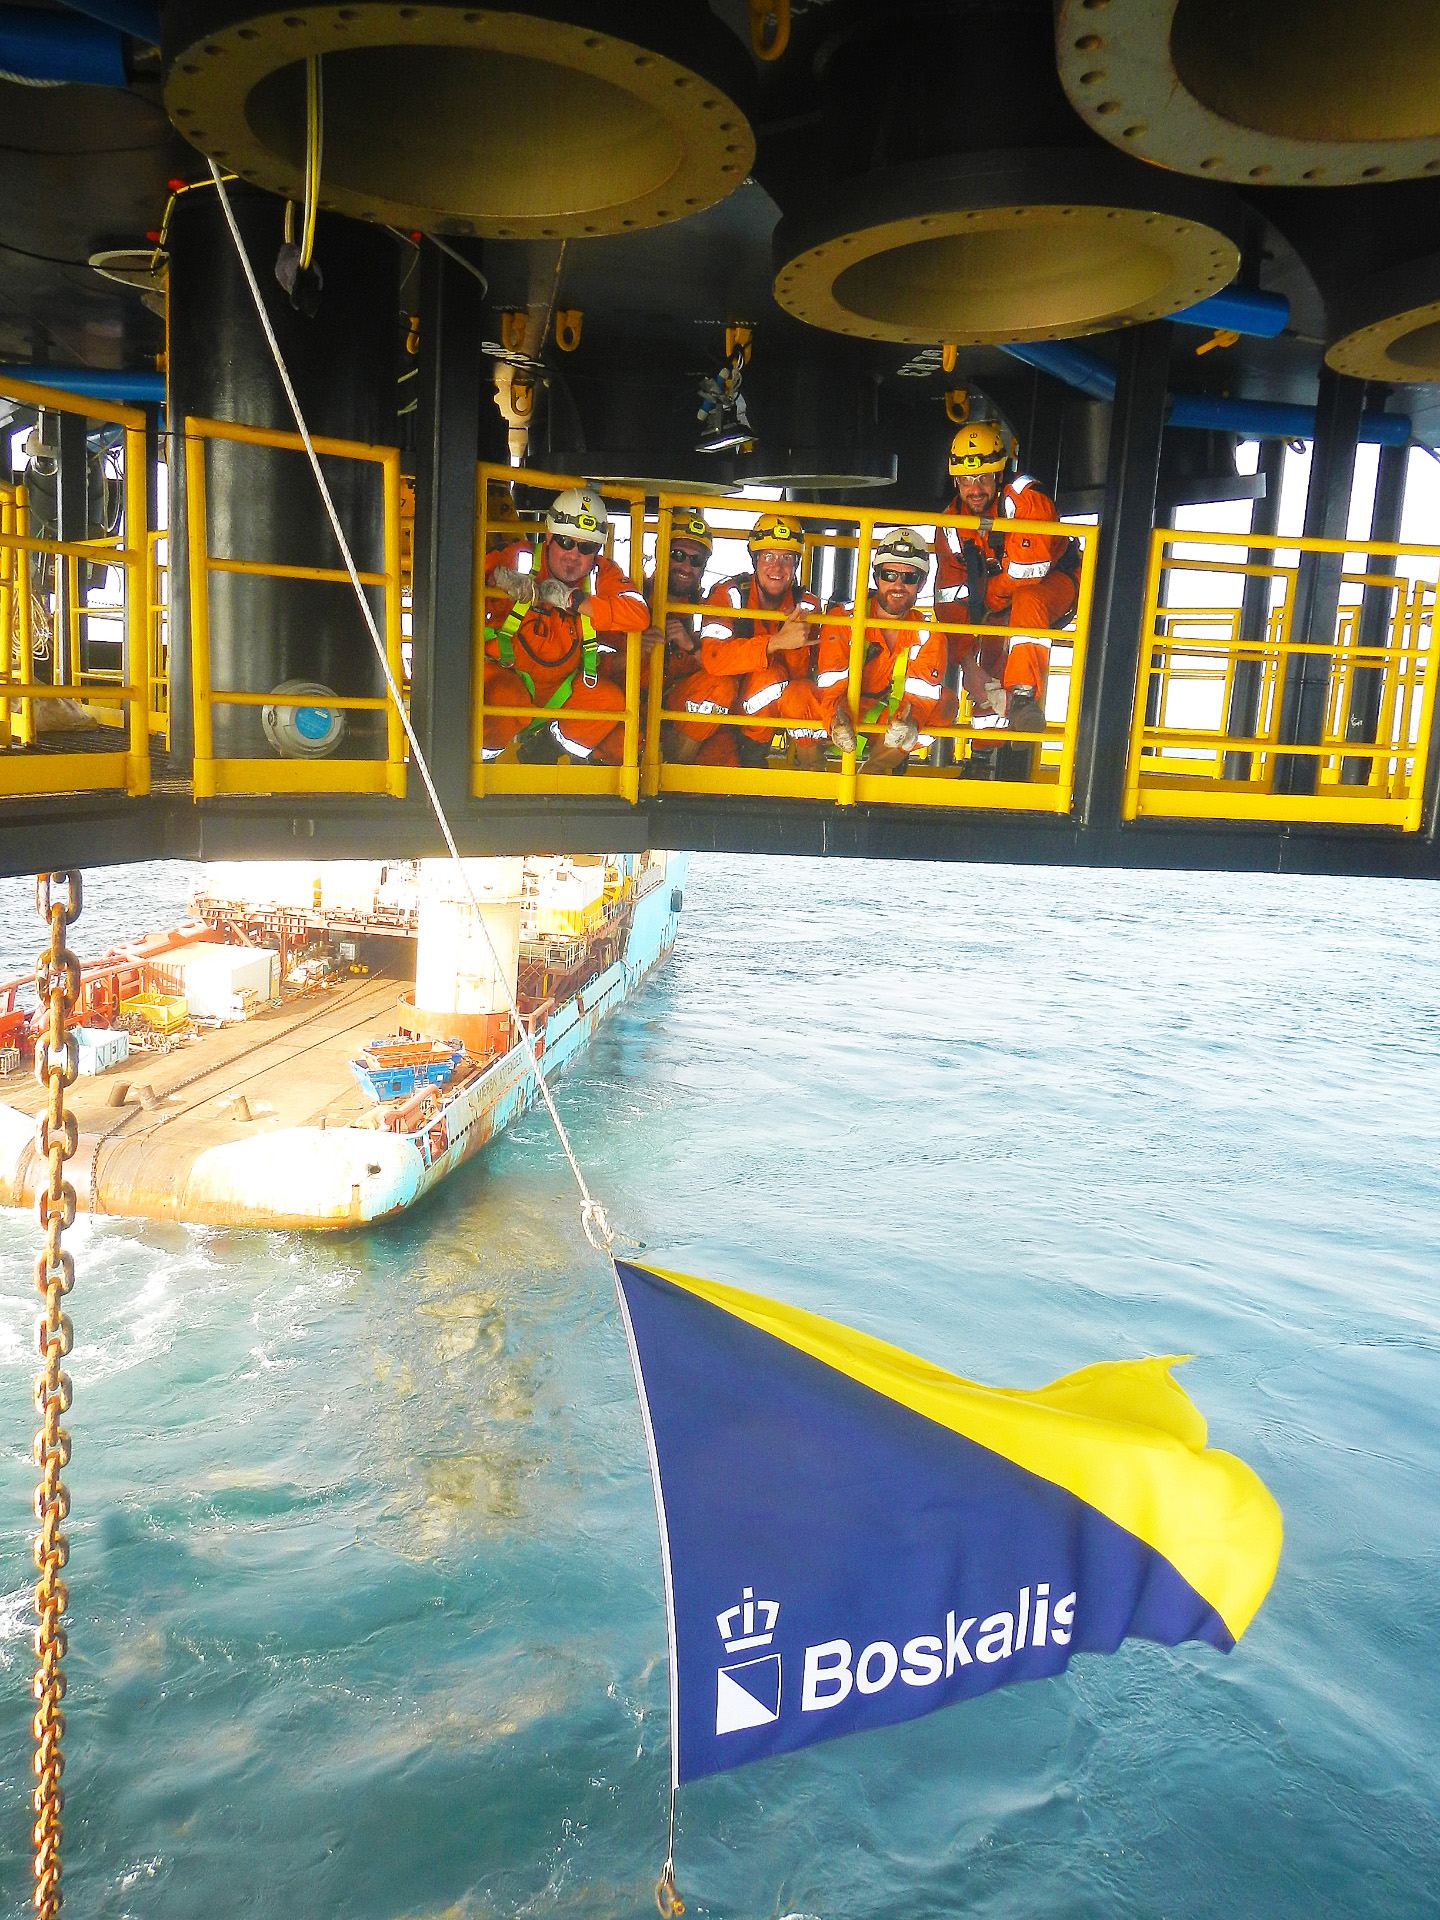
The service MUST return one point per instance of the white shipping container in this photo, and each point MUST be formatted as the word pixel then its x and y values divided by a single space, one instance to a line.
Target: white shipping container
pixel 100 1048
pixel 213 978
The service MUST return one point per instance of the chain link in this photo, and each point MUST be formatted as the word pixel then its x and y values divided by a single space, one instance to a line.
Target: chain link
pixel 57 983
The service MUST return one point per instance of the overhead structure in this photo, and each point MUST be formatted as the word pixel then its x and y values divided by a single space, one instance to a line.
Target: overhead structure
pixel 503 122
pixel 1388 326
pixel 984 211
pixel 1286 93
pixel 1012 246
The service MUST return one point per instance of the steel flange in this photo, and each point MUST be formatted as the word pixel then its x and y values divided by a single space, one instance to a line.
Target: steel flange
pixel 1285 93
pixel 508 123
pixel 1011 247
pixel 1388 327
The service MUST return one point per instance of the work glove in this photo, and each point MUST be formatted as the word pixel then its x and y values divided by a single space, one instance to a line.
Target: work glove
pixel 996 698
pixel 554 593
pixel 901 734
pixel 842 731
pixel 516 586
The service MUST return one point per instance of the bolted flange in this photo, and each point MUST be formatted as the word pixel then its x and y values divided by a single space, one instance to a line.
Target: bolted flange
pixel 1284 93
pixel 1388 327
pixel 1006 247
pixel 513 123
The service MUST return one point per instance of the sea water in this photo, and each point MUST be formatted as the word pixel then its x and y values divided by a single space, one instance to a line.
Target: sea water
pixel 366 1615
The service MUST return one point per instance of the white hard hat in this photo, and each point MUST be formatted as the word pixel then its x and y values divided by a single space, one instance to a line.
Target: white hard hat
pixel 901 547
pixel 579 513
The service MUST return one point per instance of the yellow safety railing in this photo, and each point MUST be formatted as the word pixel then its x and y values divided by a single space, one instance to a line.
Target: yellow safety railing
pixel 27 763
pixel 1206 741
pixel 927 783
pixel 642 765
pixel 498 524
pixel 337 773
pixel 160 634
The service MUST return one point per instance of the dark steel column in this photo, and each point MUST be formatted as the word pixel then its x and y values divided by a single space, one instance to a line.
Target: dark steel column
pixel 1243 715
pixel 264 504
pixel 454 386
pixel 1317 582
pixel 1127 519
pixel 72 522
pixel 1378 606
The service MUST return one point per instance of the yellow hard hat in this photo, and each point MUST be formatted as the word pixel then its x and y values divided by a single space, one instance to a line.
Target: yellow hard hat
pixel 688 523
pixel 979 447
pixel 773 533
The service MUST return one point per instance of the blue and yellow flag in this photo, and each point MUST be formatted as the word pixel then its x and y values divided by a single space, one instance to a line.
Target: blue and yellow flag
pixel 852 1536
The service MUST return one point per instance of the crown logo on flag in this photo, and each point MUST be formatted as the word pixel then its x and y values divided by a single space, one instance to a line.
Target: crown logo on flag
pixel 738 1624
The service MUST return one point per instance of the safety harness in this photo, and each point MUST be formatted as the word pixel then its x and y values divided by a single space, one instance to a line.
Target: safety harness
pixel 898 674
pixel 504 638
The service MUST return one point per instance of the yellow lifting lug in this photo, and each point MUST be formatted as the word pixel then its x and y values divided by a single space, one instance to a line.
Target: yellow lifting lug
pixel 949 353
pixel 957 405
pixel 769 28
pixel 412 333
pixel 522 396
pixel 568 321
pixel 1222 337
pixel 512 330
pixel 737 340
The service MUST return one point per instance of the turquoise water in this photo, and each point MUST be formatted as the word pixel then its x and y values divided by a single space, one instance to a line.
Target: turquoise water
pixel 365 1598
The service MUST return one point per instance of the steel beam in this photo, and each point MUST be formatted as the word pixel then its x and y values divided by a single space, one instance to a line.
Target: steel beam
pixel 1317 583
pixel 1243 714
pixel 453 388
pixel 1378 606
pixel 1133 470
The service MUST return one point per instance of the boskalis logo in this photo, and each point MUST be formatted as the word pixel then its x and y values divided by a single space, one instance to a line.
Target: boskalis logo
pixel 747 1692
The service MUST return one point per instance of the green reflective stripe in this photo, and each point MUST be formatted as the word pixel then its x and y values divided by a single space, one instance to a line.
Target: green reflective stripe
pixel 504 636
pixel 897 688
pixel 589 651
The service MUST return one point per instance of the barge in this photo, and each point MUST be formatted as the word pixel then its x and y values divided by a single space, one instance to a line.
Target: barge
pixel 321 1106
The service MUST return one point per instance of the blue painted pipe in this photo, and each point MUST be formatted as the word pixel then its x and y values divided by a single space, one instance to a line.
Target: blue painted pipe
pixel 1251 419
pixel 139 18
pixel 57 46
pixel 1275 420
pixel 1239 310
pixel 126 387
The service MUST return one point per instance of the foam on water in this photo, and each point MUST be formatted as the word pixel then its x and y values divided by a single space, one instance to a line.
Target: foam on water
pixel 365 1600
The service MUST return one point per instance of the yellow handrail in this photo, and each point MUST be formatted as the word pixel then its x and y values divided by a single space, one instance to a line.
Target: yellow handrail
pixel 643 765
pixel 1179 756
pixel 31 771
pixel 233 774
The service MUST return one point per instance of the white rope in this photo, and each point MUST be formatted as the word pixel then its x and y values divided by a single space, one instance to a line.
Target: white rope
pixel 598 1231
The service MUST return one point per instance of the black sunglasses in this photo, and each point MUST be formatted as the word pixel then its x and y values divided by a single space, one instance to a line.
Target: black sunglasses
pixel 567 545
pixel 898 576
pixel 688 556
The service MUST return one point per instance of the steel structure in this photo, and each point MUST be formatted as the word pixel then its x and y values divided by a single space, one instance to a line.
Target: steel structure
pixel 531 231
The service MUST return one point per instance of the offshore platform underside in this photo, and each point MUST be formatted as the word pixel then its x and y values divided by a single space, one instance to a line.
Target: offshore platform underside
pixel 714 257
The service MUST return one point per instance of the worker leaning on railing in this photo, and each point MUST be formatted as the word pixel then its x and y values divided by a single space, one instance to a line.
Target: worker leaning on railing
pixel 556 645
pixel 691 545
pixel 902 673
pixel 761 668
pixel 1004 574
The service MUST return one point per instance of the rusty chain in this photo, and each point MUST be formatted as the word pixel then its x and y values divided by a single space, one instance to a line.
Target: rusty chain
pixel 57 984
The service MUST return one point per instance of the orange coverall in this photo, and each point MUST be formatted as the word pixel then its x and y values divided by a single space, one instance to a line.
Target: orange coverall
pixel 735 665
pixel 890 652
pixel 547 646
pixel 1027 591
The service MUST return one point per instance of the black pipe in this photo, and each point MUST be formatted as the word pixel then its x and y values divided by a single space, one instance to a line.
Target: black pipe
pixel 1112 657
pixel 1317 578
pixel 1243 714
pixel 1378 607
pixel 264 505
